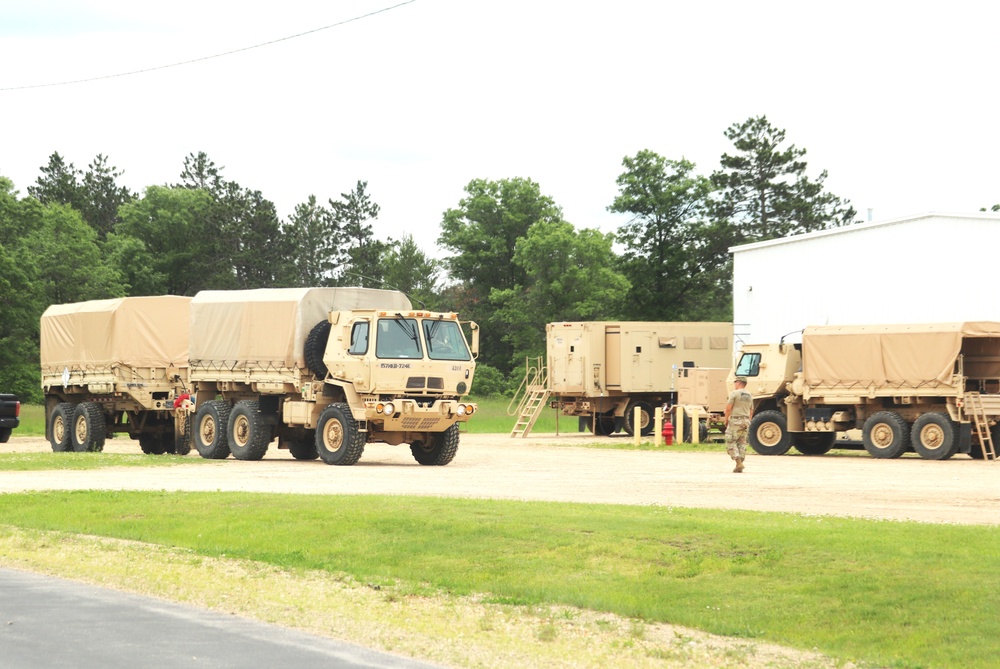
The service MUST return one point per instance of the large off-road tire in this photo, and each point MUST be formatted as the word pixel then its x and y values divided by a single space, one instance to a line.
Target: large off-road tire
pixel 934 436
pixel 645 419
pixel 688 431
pixel 439 449
pixel 210 425
pixel 814 443
pixel 182 435
pixel 976 452
pixel 155 443
pixel 603 425
pixel 885 435
pixel 89 429
pixel 5 433
pixel 338 441
pixel 768 433
pixel 248 432
pixel 315 347
pixel 303 449
pixel 61 427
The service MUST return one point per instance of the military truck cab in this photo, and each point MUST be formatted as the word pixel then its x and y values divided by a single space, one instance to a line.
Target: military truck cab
pixel 767 369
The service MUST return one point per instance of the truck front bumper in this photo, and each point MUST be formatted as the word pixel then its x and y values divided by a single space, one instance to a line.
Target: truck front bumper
pixel 407 415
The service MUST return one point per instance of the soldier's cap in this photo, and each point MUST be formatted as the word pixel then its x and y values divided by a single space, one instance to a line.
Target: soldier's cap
pixel 740 379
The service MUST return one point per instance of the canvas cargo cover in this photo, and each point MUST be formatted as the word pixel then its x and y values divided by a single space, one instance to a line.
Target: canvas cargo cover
pixel 269 326
pixel 128 331
pixel 891 355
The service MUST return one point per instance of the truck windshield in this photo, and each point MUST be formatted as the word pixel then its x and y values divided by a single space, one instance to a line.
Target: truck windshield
pixel 445 341
pixel 749 365
pixel 397 338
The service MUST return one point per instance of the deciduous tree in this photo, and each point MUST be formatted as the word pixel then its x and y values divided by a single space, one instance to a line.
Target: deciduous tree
pixel 668 242
pixel 570 276
pixel 482 233
pixel 163 244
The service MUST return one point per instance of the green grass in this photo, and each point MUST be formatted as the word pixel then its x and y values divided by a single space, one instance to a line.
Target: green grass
pixel 32 421
pixel 491 418
pixel 893 594
pixel 49 461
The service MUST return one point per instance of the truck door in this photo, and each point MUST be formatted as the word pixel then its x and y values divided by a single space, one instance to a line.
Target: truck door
pixel 357 361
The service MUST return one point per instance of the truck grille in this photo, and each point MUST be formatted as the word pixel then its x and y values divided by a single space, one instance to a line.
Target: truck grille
pixel 433 383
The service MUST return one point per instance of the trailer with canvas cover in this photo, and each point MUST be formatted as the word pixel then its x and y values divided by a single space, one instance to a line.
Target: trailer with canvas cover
pixel 325 371
pixel 931 388
pixel 601 371
pixel 117 365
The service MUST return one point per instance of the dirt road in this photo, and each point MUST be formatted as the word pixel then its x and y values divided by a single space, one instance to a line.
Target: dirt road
pixel 547 467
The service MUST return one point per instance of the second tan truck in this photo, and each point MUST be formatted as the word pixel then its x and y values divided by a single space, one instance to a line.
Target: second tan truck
pixel 931 388
pixel 325 371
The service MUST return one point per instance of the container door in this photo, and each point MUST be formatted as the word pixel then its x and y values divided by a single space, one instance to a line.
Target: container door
pixel 640 359
pixel 613 358
pixel 566 359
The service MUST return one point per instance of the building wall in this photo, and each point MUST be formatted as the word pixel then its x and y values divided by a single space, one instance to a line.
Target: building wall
pixel 931 268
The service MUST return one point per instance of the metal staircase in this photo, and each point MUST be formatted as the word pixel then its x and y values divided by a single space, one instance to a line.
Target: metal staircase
pixel 530 397
pixel 974 402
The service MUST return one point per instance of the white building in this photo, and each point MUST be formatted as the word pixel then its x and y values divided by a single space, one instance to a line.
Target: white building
pixel 919 269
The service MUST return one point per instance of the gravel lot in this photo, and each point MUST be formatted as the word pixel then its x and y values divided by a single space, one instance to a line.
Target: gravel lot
pixel 542 467
pixel 549 467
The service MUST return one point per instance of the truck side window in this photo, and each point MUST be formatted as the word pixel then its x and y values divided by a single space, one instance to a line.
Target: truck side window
pixel 359 339
pixel 749 365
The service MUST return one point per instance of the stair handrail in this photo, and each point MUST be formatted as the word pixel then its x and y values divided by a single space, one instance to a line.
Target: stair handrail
pixel 535 374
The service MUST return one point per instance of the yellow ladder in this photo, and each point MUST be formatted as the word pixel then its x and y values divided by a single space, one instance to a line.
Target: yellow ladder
pixel 975 403
pixel 536 392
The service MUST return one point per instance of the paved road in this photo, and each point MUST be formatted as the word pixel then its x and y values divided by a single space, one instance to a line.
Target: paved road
pixel 51 623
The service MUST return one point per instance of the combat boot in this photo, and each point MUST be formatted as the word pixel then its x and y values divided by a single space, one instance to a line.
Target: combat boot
pixel 739 465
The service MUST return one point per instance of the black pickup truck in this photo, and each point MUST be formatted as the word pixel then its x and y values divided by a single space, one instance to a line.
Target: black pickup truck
pixel 10 415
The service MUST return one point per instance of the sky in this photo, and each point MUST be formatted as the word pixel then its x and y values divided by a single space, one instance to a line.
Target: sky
pixel 897 101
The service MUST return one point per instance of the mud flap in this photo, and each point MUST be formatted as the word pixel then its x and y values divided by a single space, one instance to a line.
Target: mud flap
pixel 965 438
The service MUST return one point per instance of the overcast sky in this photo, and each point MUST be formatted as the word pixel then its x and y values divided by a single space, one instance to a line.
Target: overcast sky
pixel 898 101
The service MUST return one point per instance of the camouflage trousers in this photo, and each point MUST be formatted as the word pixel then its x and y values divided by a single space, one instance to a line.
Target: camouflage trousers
pixel 736 437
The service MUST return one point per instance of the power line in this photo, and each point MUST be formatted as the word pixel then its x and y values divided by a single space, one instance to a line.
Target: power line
pixel 204 58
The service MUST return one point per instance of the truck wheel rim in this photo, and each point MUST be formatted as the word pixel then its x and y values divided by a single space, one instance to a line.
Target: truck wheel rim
pixel 333 435
pixel 768 434
pixel 241 431
pixel 58 430
pixel 81 430
pixel 207 430
pixel 932 437
pixel 882 435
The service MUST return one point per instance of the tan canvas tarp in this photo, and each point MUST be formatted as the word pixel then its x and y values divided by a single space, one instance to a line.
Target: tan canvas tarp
pixel 269 326
pixel 128 331
pixel 887 355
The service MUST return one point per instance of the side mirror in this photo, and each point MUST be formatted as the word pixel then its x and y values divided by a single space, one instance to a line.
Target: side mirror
pixel 474 327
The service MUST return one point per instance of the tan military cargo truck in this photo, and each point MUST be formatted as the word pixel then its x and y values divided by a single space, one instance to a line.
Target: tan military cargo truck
pixel 601 371
pixel 934 389
pixel 326 370
pixel 112 366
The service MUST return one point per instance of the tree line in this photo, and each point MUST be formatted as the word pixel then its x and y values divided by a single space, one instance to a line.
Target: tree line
pixel 512 262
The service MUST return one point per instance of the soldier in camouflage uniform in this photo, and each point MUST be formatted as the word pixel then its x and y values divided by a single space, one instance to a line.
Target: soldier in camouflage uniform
pixel 739 409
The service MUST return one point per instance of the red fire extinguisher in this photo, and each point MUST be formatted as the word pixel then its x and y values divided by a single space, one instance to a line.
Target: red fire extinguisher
pixel 668 433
